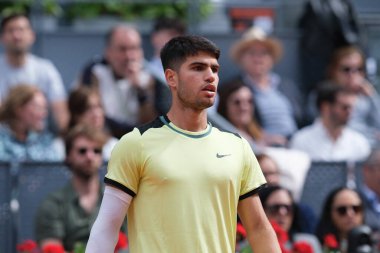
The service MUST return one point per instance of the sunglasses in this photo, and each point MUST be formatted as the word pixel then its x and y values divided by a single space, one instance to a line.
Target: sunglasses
pixel 343 210
pixel 276 208
pixel 83 151
pixel 348 69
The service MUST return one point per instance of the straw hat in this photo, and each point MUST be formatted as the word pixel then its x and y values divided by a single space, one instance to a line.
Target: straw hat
pixel 256 35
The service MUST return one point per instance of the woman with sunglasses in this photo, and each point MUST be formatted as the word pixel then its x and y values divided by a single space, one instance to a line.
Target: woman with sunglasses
pixel 342 211
pixel 347 68
pixel 281 208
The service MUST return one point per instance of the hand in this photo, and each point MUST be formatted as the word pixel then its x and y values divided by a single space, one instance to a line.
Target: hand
pixel 133 70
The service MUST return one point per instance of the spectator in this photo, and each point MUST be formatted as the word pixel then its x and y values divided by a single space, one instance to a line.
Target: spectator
pixel 18 66
pixel 86 108
pixel 347 68
pixel 130 94
pixel 325 25
pixel 164 29
pixel 329 138
pixel 370 190
pixel 342 211
pixel 237 105
pixel 65 217
pixel 270 169
pixel 277 100
pixel 23 136
pixel 281 208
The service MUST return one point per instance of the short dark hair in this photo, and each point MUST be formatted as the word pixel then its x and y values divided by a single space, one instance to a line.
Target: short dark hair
pixel 179 48
pixel 328 93
pixel 11 17
pixel 175 24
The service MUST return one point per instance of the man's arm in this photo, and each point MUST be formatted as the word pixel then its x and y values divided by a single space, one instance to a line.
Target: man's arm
pixel 260 233
pixel 105 231
pixel 60 114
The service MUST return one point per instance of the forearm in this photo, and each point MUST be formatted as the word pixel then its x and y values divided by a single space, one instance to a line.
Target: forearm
pixel 264 241
pixel 104 233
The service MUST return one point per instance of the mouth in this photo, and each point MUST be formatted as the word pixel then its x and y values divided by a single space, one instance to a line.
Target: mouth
pixel 209 88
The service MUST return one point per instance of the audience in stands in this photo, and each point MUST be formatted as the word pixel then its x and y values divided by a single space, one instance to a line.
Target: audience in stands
pixel 237 105
pixel 85 107
pixel 370 190
pixel 130 94
pixel 277 100
pixel 329 138
pixel 164 29
pixel 347 68
pixel 342 211
pixel 18 65
pixel 65 217
pixel 280 207
pixel 23 136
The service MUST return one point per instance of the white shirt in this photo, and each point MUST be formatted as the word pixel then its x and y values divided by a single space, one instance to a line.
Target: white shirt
pixel 36 71
pixel 315 141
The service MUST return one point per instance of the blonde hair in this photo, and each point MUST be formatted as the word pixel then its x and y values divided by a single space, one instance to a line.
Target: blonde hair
pixel 17 97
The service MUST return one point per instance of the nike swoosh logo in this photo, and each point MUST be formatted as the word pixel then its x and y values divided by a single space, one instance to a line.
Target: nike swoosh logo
pixel 221 155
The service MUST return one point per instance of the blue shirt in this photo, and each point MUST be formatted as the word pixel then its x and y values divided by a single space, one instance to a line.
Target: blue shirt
pixel 36 147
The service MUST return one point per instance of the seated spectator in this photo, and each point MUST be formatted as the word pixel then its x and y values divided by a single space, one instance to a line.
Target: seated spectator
pixel 66 216
pixel 130 94
pixel 370 190
pixel 18 65
pixel 342 211
pixel 23 136
pixel 86 108
pixel 347 68
pixel 164 29
pixel 277 100
pixel 329 138
pixel 236 104
pixel 281 208
pixel 269 168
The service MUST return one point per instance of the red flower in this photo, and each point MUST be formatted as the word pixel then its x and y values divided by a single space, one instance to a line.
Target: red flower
pixel 122 242
pixel 302 247
pixel 53 248
pixel 28 246
pixel 241 230
pixel 282 235
pixel 330 241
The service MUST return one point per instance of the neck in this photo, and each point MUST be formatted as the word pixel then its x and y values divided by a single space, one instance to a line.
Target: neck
pixel 16 60
pixel 261 81
pixel 188 119
pixel 19 131
pixel 333 130
pixel 85 186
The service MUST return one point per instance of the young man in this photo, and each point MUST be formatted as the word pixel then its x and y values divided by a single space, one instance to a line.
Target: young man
pixel 182 181
pixel 19 66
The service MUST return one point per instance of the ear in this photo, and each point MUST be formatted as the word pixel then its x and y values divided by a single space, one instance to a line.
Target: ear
pixel 171 77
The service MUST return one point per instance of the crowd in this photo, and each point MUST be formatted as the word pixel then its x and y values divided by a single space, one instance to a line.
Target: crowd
pixel 338 120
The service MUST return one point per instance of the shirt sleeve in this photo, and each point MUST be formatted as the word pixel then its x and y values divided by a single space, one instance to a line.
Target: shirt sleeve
pixel 124 166
pixel 55 88
pixel 253 178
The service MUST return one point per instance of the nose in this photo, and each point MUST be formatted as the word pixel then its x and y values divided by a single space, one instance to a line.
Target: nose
pixel 211 76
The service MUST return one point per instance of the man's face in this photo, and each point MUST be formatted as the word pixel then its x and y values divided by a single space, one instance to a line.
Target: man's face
pixel 256 60
pixel 85 157
pixel 17 36
pixel 350 71
pixel 196 81
pixel 341 110
pixel 124 53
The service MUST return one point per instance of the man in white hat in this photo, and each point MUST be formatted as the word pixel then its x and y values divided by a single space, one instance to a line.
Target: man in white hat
pixel 278 101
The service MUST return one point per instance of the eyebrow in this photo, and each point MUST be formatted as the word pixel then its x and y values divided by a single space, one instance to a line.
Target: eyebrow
pixel 204 64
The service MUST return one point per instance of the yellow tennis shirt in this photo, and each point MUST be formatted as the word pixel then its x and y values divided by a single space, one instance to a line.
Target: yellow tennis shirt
pixel 185 186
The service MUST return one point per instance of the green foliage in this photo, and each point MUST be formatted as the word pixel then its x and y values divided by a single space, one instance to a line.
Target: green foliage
pixel 49 7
